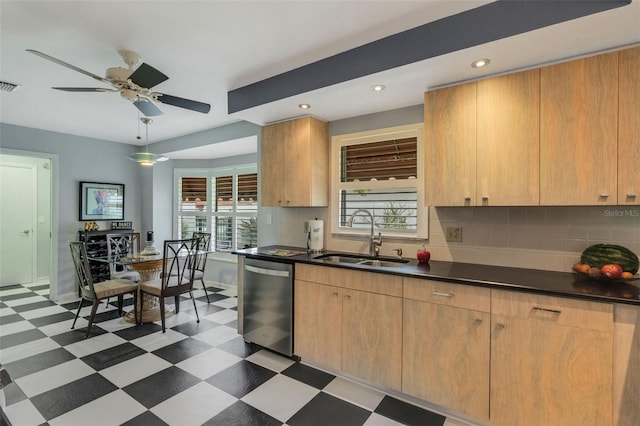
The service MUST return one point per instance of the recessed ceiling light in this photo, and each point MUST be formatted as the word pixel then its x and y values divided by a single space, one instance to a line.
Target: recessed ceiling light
pixel 480 63
pixel 377 88
pixel 304 106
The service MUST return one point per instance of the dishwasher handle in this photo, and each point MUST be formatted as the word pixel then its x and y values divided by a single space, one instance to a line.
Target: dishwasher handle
pixel 264 271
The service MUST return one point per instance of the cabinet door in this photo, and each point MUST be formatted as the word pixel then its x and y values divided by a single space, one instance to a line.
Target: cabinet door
pixel 508 140
pixel 446 356
pixel 629 128
pixel 450 146
pixel 271 167
pixel 318 323
pixel 548 374
pixel 578 132
pixel 296 163
pixel 372 337
pixel 626 359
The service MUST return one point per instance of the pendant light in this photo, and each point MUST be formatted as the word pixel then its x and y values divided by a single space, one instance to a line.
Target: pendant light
pixel 146 158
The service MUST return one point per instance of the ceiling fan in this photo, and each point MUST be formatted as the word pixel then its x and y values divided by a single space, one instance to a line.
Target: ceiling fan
pixel 132 84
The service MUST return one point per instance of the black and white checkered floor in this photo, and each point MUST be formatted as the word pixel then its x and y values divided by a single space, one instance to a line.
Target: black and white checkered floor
pixel 191 375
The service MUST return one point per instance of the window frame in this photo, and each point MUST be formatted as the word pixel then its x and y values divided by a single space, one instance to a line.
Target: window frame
pixel 208 211
pixel 335 184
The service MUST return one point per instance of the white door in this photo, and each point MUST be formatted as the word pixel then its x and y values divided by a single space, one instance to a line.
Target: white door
pixel 17 223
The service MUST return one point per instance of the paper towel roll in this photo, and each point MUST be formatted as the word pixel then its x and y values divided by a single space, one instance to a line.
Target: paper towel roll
pixel 316 233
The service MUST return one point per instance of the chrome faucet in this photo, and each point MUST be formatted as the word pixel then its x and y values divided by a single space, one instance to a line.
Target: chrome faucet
pixel 374 242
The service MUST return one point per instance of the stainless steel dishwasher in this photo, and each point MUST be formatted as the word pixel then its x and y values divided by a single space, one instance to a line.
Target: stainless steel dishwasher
pixel 267 304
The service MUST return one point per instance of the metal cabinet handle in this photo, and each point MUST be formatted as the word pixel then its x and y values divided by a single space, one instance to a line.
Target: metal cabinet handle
pixel 264 271
pixel 335 293
pixel 632 195
pixel 478 321
pixel 467 198
pixel 605 195
pixel 553 311
pixel 442 293
pixel 347 297
pixel 500 325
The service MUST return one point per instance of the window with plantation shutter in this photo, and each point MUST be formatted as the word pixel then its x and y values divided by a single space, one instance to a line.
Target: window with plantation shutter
pixel 221 201
pixel 380 172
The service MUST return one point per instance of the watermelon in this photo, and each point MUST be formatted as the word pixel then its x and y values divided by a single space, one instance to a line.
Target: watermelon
pixel 602 254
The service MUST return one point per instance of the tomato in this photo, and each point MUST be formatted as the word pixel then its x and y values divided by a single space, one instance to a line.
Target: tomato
pixel 611 270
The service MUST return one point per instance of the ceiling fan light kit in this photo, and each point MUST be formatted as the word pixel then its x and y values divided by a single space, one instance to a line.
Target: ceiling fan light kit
pixel 146 158
pixel 133 85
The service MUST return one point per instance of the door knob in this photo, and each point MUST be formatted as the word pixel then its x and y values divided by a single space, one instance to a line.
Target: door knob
pixel 26 231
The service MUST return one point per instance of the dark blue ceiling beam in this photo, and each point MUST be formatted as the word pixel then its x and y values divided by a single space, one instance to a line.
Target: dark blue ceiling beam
pixel 490 22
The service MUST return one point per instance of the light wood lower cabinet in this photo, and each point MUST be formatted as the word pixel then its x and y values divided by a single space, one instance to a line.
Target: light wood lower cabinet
pixel 318 323
pixel 626 362
pixel 502 357
pixel 346 320
pixel 551 361
pixel 445 357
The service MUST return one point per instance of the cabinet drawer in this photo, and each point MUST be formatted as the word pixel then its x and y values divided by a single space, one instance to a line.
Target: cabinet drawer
pixel 357 280
pixel 560 310
pixel 450 294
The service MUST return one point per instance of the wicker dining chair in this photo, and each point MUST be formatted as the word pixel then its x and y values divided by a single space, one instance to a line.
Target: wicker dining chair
pixel 96 292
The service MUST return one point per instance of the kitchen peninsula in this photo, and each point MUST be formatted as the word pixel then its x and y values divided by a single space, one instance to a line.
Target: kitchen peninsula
pixel 490 344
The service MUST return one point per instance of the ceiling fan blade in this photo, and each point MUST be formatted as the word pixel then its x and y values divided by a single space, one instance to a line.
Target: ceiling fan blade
pixel 147 76
pixel 147 108
pixel 64 64
pixel 182 103
pixel 84 89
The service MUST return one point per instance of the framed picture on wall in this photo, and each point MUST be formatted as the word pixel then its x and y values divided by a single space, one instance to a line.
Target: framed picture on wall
pixel 101 201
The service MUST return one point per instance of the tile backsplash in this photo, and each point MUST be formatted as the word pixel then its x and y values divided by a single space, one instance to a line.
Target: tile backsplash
pixel 547 238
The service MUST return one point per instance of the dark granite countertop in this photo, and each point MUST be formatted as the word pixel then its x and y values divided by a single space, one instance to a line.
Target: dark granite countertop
pixel 565 284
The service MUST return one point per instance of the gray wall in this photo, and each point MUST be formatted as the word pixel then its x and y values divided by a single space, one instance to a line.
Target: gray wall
pixel 79 159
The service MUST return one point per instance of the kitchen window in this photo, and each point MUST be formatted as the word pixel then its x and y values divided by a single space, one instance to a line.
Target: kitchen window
pixel 379 171
pixel 223 201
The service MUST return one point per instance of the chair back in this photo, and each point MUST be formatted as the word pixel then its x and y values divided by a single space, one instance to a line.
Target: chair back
pixel 179 265
pixel 203 244
pixel 119 246
pixel 83 270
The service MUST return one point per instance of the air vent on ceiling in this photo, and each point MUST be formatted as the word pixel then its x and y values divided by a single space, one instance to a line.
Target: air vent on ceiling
pixel 5 86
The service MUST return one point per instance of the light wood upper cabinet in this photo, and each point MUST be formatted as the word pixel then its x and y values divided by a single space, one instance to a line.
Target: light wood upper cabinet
pixel 578 132
pixel 508 145
pixel 551 361
pixel 294 163
pixel 450 146
pixel 482 142
pixel 629 127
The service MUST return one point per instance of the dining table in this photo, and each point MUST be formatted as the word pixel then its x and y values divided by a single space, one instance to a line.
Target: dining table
pixel 149 266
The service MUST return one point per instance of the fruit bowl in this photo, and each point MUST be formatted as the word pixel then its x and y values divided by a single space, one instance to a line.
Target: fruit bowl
pixel 605 278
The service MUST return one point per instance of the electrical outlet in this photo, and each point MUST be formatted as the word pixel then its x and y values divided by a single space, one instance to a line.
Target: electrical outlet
pixel 454 234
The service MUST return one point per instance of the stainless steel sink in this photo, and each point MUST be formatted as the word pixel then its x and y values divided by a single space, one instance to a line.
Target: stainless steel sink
pixel 357 259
